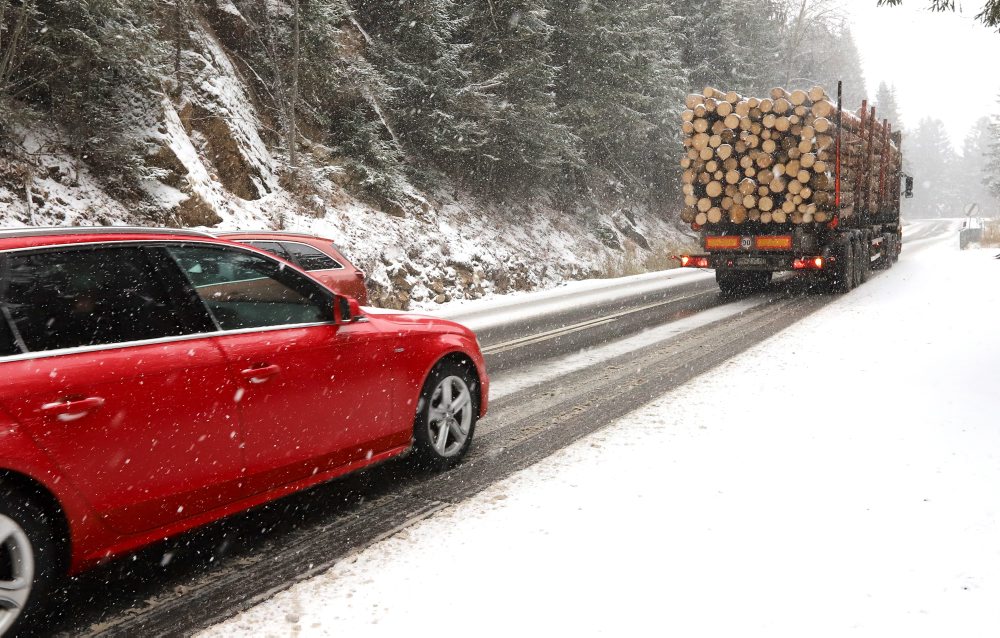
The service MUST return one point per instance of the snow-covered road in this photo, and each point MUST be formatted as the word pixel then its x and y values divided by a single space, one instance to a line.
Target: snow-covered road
pixel 841 478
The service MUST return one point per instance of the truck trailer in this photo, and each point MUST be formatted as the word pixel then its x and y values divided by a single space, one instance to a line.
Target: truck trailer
pixel 793 182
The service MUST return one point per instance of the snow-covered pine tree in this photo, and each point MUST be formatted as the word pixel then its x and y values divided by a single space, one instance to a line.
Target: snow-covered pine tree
pixel 828 55
pixel 512 71
pixel 733 45
pixel 989 14
pixel 94 66
pixel 933 163
pixel 847 68
pixel 992 167
pixel 341 95
pixel 345 95
pixel 618 84
pixel 659 45
pixel 971 167
pixel 436 109
pixel 887 107
pixel 17 22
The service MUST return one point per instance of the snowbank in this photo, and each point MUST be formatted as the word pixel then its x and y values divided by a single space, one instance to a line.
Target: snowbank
pixel 753 501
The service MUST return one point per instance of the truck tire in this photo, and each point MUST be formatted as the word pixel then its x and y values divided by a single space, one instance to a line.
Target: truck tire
pixel 856 250
pixel 865 257
pixel 842 276
pixel 885 259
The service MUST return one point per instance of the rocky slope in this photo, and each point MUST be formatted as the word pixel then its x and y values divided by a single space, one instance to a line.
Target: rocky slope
pixel 218 165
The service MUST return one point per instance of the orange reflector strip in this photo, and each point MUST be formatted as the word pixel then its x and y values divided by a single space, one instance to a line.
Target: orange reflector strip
pixel 774 242
pixel 722 242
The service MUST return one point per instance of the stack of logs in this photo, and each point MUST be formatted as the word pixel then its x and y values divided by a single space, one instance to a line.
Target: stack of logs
pixel 773 160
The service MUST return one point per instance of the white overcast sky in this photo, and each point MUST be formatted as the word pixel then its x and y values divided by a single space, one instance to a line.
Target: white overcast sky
pixel 944 65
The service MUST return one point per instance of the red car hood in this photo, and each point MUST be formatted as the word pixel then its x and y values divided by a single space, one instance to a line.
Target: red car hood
pixel 416 322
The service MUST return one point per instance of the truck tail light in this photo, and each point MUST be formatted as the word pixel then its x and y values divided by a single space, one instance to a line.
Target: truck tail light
pixel 693 261
pixel 809 263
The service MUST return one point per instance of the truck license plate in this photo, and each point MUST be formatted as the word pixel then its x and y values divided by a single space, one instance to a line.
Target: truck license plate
pixel 750 261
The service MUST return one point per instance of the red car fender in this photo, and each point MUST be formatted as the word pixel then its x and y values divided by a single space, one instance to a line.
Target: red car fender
pixel 443 345
pixel 20 455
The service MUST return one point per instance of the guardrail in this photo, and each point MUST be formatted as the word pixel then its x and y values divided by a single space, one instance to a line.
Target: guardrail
pixel 968 236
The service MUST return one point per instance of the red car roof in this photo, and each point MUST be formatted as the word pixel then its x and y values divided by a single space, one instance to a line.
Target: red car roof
pixel 31 237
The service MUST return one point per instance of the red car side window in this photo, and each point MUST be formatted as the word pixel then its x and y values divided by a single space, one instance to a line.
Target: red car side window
pixel 310 258
pixel 77 297
pixel 272 247
pixel 8 345
pixel 245 290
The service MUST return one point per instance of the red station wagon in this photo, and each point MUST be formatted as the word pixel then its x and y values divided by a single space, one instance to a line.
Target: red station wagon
pixel 152 381
pixel 318 256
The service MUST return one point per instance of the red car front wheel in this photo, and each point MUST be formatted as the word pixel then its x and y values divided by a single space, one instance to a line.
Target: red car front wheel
pixel 446 414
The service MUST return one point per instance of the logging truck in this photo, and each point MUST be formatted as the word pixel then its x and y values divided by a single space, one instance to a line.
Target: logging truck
pixel 791 182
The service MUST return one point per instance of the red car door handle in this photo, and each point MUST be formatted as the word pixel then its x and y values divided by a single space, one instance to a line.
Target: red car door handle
pixel 260 374
pixel 73 409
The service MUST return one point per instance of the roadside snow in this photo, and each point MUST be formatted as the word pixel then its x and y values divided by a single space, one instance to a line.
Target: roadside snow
pixel 515 380
pixel 842 478
pixel 480 314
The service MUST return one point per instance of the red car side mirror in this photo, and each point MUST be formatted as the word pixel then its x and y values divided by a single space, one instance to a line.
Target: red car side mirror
pixel 346 309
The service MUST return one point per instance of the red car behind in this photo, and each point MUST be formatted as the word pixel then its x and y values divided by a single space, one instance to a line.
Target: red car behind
pixel 320 257
pixel 153 381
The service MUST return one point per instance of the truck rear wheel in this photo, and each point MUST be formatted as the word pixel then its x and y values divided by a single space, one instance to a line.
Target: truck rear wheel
pixel 856 250
pixel 842 276
pixel 865 258
pixel 890 250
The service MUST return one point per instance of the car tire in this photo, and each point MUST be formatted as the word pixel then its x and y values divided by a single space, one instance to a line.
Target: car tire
pixel 28 561
pixel 442 435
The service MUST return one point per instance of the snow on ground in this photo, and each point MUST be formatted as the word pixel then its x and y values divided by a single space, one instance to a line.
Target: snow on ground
pixel 512 381
pixel 842 478
pixel 494 310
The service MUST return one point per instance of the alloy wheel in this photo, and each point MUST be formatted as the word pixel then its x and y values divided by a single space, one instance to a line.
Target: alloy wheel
pixel 17 571
pixel 449 416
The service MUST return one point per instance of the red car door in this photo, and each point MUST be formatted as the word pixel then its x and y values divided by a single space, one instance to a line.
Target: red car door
pixel 138 414
pixel 314 395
